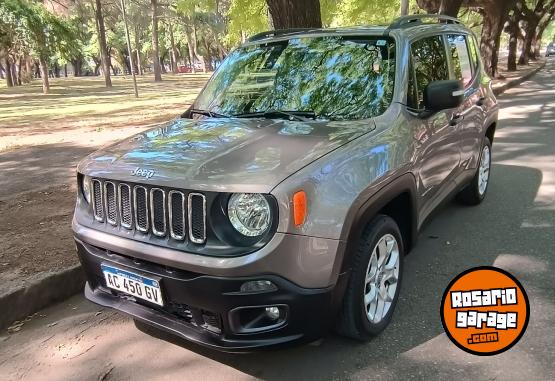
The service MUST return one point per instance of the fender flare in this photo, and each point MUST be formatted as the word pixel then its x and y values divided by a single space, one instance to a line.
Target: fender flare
pixel 360 218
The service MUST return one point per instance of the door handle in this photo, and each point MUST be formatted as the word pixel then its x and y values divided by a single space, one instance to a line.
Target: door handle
pixel 481 101
pixel 455 119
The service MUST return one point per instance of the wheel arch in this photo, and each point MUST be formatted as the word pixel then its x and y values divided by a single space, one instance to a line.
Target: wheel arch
pixel 397 200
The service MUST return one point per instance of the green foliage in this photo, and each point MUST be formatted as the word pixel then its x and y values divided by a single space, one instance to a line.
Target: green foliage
pixel 246 18
pixel 42 32
pixel 357 12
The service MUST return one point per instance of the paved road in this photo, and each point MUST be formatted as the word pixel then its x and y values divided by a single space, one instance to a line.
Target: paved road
pixel 513 229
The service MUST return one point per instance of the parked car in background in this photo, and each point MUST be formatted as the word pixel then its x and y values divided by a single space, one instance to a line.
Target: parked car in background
pixel 550 51
pixel 283 202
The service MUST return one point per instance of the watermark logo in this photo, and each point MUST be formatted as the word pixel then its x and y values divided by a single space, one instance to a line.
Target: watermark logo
pixel 485 311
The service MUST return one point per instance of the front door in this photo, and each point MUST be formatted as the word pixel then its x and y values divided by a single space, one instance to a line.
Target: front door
pixel 438 154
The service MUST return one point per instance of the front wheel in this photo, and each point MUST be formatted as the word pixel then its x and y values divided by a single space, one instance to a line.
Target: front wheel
pixel 375 281
pixel 475 192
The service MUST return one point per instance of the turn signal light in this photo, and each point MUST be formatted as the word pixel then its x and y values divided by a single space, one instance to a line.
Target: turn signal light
pixel 299 207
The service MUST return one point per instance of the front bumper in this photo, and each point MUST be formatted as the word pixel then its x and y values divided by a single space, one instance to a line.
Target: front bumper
pixel 196 303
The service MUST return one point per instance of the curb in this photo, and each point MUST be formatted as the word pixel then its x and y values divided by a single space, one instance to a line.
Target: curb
pixel 49 289
pixel 517 81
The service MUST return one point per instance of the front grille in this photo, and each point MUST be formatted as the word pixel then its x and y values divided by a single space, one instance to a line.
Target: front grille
pixel 158 210
pixel 98 208
pixel 177 214
pixel 197 217
pixel 141 208
pixel 126 214
pixel 110 202
pixel 164 213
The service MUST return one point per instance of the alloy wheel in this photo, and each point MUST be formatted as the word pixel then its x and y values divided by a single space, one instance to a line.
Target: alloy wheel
pixel 381 280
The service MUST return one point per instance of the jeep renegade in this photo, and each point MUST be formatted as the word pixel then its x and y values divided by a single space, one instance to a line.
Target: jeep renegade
pixel 282 202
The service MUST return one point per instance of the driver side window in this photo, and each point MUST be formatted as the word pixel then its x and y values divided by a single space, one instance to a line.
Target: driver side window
pixel 428 64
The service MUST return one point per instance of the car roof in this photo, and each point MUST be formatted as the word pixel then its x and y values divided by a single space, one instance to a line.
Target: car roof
pixel 407 27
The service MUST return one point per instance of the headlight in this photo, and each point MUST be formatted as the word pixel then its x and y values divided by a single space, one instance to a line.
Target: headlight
pixel 249 213
pixel 87 188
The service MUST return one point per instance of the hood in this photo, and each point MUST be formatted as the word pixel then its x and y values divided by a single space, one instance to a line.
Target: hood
pixel 230 155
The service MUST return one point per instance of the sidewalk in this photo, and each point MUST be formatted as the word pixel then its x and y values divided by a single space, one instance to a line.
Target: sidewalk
pixel 508 79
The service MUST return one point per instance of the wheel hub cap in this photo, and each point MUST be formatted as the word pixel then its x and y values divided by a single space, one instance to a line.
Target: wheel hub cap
pixel 483 171
pixel 382 276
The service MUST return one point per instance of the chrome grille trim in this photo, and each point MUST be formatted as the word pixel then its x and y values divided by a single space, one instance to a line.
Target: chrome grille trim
pixel 190 218
pixel 125 211
pixel 154 212
pixel 135 204
pixel 110 203
pixel 98 210
pixel 167 213
pixel 173 234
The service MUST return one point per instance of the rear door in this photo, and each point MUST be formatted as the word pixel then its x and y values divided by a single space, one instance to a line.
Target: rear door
pixel 438 153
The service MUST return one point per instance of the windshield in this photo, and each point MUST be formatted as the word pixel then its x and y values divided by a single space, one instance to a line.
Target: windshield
pixel 334 77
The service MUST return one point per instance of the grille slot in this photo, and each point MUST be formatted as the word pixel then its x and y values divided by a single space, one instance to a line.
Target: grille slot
pixel 110 202
pixel 176 205
pixel 125 212
pixel 98 208
pixel 158 211
pixel 140 198
pixel 197 217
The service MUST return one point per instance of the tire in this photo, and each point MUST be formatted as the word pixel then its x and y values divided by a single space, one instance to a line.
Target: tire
pixel 475 192
pixel 354 320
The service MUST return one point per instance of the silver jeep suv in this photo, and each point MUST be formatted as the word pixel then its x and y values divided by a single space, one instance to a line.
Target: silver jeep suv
pixel 282 203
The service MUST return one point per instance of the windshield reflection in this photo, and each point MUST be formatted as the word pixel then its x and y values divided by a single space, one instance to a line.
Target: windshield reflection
pixel 336 77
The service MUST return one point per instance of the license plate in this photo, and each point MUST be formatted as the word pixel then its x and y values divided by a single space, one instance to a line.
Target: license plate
pixel 133 284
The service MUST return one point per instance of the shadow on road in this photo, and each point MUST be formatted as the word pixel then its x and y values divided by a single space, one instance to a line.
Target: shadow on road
pixel 456 239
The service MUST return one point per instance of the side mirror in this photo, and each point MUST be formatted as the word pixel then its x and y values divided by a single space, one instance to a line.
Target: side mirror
pixel 443 95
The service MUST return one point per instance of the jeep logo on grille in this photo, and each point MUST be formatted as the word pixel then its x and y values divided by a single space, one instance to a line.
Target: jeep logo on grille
pixel 142 172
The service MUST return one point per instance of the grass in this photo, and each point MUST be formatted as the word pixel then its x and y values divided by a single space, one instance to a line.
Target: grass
pixel 77 106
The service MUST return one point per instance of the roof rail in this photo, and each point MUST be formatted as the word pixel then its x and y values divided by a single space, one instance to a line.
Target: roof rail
pixel 413 20
pixel 279 32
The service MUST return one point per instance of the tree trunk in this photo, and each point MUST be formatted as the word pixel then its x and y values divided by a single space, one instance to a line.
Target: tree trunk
pixel 450 7
pixel 173 55
pixel 9 78
pixel 295 13
pixel 19 65
pixel 404 7
pixel 44 74
pixel 155 48
pixel 138 50
pixel 494 16
pixel 512 30
pixel 2 71
pixel 542 26
pixel 104 57
pixel 527 45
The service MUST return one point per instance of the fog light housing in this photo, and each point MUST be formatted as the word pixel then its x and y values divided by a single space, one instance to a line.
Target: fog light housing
pixel 257 319
pixel 257 286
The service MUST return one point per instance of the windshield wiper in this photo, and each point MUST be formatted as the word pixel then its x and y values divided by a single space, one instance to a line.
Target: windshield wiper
pixel 211 114
pixel 270 114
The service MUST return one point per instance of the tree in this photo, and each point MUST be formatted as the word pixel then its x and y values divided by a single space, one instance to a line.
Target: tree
pixel 404 7
pixel 155 45
pixel 104 55
pixel 450 7
pixel 29 27
pixel 295 13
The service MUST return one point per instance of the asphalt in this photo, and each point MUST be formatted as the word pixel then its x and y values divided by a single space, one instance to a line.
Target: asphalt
pixel 513 229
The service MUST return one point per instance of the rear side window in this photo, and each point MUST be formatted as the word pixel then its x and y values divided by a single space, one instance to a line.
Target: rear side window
pixel 428 64
pixel 460 57
pixel 472 48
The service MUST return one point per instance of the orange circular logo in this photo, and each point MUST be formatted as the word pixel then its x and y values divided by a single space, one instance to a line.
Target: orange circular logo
pixel 485 311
